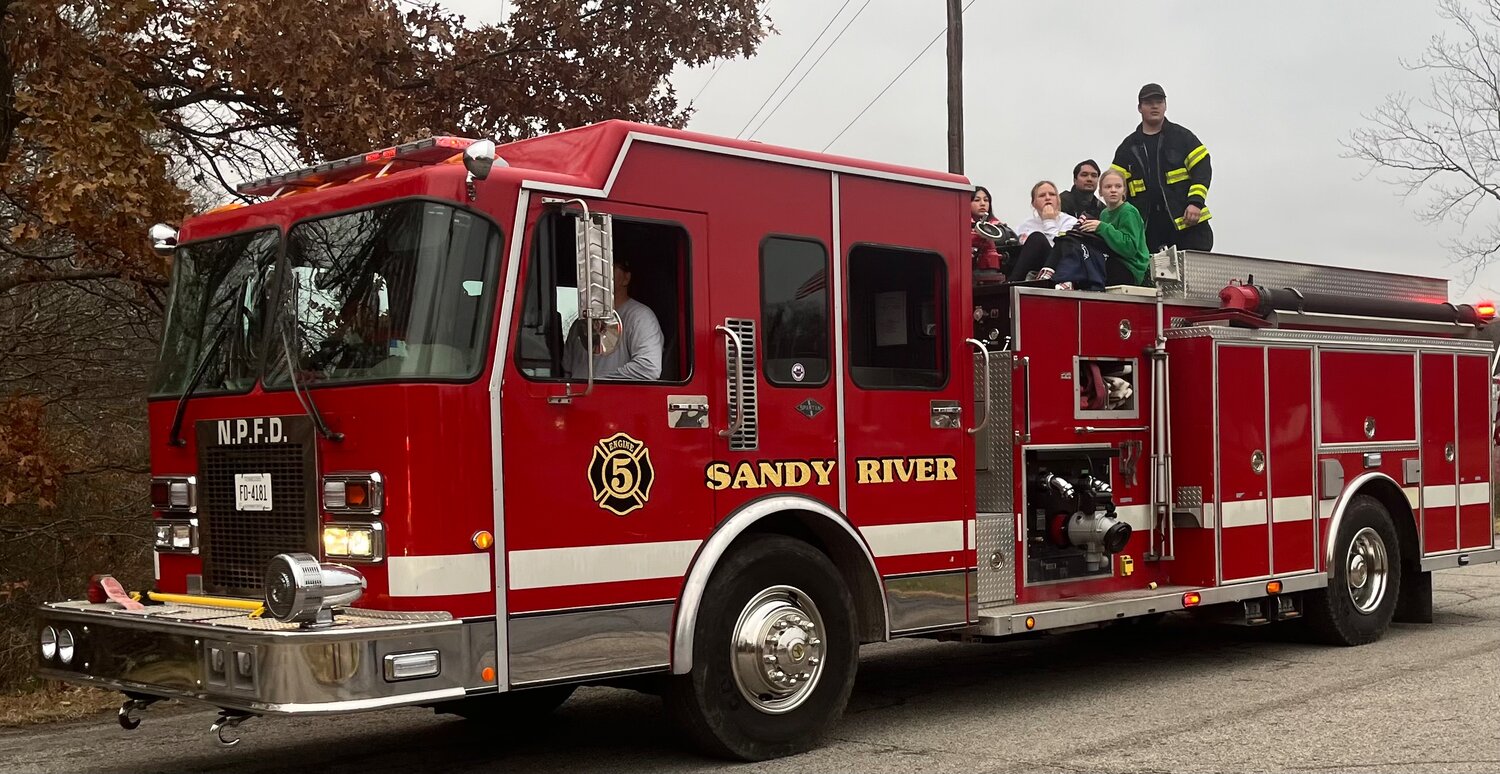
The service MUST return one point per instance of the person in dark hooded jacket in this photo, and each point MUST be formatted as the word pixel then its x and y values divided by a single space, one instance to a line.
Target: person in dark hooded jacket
pixel 1082 200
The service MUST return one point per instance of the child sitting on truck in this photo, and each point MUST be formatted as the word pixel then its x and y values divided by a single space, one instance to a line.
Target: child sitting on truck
pixel 1123 231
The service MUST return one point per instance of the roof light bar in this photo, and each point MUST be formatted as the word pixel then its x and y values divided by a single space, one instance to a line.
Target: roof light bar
pixel 430 150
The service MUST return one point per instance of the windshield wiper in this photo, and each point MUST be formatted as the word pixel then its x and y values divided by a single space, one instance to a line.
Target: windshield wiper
pixel 306 400
pixel 173 438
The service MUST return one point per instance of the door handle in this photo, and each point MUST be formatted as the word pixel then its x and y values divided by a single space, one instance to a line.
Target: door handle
pixel 985 420
pixel 738 386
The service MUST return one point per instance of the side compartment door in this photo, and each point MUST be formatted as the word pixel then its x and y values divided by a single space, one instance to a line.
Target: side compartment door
pixel 1439 454
pixel 604 497
pixel 1244 518
pixel 1475 526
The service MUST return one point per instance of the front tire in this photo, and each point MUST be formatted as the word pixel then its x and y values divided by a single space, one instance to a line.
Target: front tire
pixel 1360 600
pixel 774 653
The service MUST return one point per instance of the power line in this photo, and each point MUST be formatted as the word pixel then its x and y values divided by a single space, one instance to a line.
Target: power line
pixel 888 86
pixel 809 70
pixel 798 63
pixel 704 87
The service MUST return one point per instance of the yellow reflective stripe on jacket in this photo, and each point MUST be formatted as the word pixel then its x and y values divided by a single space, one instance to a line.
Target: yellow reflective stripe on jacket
pixel 1203 215
pixel 1198 189
pixel 1178 175
pixel 1198 154
pixel 1121 170
pixel 1137 187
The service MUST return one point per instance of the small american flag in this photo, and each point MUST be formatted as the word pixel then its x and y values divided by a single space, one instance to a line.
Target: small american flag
pixel 815 284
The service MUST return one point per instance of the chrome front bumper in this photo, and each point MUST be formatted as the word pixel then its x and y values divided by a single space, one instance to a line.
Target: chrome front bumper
pixel 226 659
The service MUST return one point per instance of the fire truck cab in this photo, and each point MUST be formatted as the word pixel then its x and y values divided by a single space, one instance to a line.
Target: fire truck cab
pixel 462 426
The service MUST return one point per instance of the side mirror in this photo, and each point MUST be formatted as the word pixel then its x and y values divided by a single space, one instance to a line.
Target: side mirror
pixel 595 252
pixel 479 158
pixel 163 239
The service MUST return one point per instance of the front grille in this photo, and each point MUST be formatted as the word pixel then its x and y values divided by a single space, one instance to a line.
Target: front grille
pixel 237 545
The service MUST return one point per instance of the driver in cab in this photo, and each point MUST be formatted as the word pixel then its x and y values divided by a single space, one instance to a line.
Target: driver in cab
pixel 638 355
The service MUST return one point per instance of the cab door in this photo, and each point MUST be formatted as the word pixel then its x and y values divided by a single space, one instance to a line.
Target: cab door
pixel 772 296
pixel 604 502
pixel 908 477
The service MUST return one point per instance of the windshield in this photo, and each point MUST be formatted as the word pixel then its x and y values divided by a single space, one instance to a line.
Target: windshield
pixel 397 291
pixel 216 285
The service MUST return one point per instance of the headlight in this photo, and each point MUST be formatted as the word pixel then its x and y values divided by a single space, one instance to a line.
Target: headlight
pixel 362 542
pixel 49 643
pixel 301 590
pixel 177 535
pixel 65 646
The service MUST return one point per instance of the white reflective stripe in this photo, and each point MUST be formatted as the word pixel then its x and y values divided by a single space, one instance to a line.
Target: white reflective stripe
pixel 1137 516
pixel 1325 508
pixel 1474 494
pixel 1244 513
pixel 1299 508
pixel 1413 494
pixel 156 565
pixel 928 537
pixel 1441 496
pixel 436 576
pixel 1210 515
pixel 969 538
pixel 541 568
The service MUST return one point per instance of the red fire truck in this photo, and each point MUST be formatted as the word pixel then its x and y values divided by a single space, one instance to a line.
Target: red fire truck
pixel 461 426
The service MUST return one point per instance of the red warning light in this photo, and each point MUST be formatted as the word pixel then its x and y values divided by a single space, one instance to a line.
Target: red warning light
pixel 1485 310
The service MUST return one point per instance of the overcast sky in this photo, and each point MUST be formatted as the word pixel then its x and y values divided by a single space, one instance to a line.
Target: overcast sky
pixel 1270 87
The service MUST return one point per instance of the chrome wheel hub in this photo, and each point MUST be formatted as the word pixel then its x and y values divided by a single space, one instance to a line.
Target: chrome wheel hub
pixel 778 649
pixel 1367 570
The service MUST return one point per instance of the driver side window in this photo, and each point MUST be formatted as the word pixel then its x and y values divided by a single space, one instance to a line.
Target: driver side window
pixel 651 262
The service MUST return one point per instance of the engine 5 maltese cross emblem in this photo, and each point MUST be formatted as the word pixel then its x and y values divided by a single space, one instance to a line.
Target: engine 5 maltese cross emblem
pixel 620 474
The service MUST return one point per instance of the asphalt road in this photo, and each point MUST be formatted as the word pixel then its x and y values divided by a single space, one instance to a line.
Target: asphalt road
pixel 1187 697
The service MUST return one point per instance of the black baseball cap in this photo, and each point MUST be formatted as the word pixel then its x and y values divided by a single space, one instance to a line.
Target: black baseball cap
pixel 1151 91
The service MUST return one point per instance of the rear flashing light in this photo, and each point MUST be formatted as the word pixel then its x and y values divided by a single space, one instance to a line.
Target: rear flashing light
pixel 1192 599
pixel 430 150
pixel 1485 310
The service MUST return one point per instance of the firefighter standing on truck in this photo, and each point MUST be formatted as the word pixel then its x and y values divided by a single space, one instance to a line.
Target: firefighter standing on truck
pixel 1167 174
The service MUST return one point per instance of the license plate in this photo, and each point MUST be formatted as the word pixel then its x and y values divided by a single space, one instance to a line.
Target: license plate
pixel 252 491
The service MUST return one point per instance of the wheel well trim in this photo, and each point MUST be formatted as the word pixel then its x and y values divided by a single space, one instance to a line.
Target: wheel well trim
pixel 717 545
pixel 1360 483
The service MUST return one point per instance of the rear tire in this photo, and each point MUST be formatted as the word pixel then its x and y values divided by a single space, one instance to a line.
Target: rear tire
pixel 774 653
pixel 1364 580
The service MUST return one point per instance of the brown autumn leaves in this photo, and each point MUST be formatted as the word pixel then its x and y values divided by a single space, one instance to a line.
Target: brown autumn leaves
pixel 116 114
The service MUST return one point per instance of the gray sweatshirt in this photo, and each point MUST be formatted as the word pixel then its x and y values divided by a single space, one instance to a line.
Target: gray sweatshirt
pixel 637 357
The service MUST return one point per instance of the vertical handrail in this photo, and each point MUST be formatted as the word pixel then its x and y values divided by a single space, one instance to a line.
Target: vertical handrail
pixel 984 350
pixel 739 382
pixel 1024 435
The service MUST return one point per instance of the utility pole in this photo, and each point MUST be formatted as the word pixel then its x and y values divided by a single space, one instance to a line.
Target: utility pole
pixel 955 86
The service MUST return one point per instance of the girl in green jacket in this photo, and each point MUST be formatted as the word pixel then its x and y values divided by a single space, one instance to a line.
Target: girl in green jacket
pixel 1123 231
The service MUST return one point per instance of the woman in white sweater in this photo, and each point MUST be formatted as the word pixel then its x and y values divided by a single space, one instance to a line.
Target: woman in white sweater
pixel 1039 232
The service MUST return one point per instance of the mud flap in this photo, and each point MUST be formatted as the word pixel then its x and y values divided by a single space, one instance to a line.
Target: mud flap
pixel 1414 604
